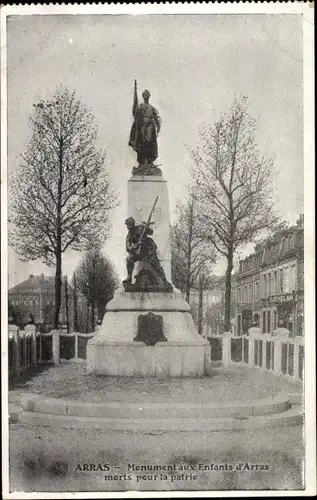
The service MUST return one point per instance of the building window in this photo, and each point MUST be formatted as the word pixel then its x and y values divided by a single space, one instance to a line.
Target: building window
pixel 281 281
pixel 274 320
pixel 263 322
pixel 265 285
pixel 239 325
pixel 245 298
pixel 290 324
pixel 300 276
pixel 275 282
pixel 269 284
pixel 300 324
pixel 269 322
pixel 293 287
pixel 286 280
pixel 272 284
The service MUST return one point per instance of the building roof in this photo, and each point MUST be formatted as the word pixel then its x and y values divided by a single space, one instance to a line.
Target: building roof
pixel 281 245
pixel 35 284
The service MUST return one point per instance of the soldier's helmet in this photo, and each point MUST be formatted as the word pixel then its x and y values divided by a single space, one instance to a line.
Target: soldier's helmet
pixel 130 221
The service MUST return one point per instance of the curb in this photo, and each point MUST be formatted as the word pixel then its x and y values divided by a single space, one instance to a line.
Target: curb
pixel 290 417
pixel 33 409
pixel 51 406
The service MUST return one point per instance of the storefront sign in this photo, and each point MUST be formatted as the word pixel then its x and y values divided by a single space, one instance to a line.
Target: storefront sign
pixel 286 297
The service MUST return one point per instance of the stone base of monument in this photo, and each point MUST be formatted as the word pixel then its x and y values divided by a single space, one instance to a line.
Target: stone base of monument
pixel 148 334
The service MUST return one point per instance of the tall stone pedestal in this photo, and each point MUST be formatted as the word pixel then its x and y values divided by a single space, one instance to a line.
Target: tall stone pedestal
pixel 113 350
pixel 169 344
pixel 142 191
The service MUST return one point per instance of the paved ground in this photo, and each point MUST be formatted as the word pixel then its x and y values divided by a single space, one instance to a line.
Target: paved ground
pixel 46 459
pixel 237 383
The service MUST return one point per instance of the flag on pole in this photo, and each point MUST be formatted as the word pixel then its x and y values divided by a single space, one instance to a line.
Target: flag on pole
pixel 135 99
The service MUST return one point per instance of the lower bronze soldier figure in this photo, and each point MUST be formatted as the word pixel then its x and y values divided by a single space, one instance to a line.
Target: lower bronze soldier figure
pixel 141 248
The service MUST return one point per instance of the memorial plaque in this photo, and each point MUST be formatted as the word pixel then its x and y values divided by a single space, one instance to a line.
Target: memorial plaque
pixel 150 329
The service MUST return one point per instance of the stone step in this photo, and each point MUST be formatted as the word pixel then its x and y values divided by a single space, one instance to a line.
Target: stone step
pixel 292 416
pixel 160 410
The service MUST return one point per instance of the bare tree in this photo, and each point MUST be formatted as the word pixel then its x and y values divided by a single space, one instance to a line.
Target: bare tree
pixel 97 280
pixel 191 256
pixel 60 196
pixel 232 186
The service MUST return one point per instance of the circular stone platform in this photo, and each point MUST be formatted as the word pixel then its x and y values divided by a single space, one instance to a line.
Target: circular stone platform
pixel 226 400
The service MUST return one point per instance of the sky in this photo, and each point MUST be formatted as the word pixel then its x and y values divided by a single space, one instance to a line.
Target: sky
pixel 193 65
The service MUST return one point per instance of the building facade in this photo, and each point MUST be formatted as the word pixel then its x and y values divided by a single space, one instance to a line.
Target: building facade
pixel 36 296
pixel 270 284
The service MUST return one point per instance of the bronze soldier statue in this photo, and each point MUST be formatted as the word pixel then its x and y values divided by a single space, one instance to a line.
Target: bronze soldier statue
pixel 141 248
pixel 144 132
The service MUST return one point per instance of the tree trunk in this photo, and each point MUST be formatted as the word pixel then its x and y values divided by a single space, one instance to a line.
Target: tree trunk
pixel 58 288
pixel 66 304
pixel 58 253
pixel 227 323
pixel 200 307
pixel 87 318
pixel 189 255
pixel 93 307
pixel 75 305
pixel 93 292
pixel 187 293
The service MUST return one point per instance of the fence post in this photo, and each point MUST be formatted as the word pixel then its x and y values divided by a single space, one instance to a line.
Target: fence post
pixel 32 330
pixel 277 356
pixel 226 348
pixel 56 346
pixel 254 333
pixel 280 334
pixel 266 339
pixel 297 342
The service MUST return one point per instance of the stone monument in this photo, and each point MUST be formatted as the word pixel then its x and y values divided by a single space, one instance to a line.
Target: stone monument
pixel 147 330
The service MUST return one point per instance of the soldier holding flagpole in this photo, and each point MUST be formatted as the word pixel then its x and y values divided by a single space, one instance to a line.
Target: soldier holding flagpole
pixel 145 129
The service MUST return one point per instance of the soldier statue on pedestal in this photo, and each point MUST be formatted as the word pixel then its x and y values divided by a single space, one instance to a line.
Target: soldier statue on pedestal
pixel 143 249
pixel 143 136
